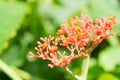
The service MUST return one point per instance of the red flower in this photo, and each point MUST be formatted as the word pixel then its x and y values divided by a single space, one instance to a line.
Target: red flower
pixel 75 37
pixel 53 49
pixel 45 45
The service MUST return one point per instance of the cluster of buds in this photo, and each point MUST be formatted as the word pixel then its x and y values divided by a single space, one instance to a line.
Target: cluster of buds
pixel 79 37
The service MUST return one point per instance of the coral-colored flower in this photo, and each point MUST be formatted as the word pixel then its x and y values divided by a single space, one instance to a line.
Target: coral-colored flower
pixel 53 49
pixel 45 45
pixel 65 42
pixel 111 20
pixel 60 32
pixel 75 36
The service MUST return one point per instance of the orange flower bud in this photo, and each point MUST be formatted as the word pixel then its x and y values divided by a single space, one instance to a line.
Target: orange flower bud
pixel 60 32
pixel 45 45
pixel 53 49
pixel 111 20
pixel 83 34
pixel 64 42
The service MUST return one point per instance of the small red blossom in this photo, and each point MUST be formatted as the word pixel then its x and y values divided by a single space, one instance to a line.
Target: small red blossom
pixel 45 45
pixel 60 31
pixel 75 37
pixel 53 49
pixel 65 42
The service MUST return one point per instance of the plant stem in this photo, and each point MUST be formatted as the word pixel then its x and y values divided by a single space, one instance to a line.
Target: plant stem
pixel 71 73
pixel 84 70
pixel 9 71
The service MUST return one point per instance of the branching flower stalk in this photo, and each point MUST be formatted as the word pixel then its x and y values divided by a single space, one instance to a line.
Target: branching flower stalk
pixel 80 37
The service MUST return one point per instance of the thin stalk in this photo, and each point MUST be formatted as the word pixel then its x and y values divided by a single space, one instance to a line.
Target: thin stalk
pixel 84 69
pixel 71 73
pixel 9 71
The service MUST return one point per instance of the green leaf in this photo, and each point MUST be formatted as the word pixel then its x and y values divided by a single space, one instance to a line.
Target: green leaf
pixel 67 9
pixel 11 17
pixel 94 72
pixel 13 56
pixel 107 76
pixel 25 75
pixel 64 10
pixel 113 40
pixel 109 58
pixel 104 8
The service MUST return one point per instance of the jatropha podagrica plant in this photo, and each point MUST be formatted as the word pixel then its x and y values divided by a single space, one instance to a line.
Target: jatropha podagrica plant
pixel 79 36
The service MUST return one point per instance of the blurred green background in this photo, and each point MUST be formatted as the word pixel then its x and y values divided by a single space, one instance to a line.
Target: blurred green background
pixel 22 22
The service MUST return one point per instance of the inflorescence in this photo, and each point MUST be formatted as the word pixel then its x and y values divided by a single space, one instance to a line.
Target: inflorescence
pixel 79 37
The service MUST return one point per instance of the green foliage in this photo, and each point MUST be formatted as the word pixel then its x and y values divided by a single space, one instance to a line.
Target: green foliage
pixel 11 16
pixel 13 51
pixel 107 76
pixel 22 22
pixel 109 58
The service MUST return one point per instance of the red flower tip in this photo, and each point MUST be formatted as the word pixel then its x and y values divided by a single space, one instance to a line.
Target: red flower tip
pixel 60 32
pixel 111 20
pixel 53 49
pixel 45 45
pixel 64 42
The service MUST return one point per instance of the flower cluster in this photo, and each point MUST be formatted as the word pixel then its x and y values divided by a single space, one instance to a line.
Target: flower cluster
pixel 77 36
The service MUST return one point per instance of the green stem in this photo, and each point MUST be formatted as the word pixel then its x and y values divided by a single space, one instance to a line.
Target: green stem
pixel 5 68
pixel 85 65
pixel 84 70
pixel 71 73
